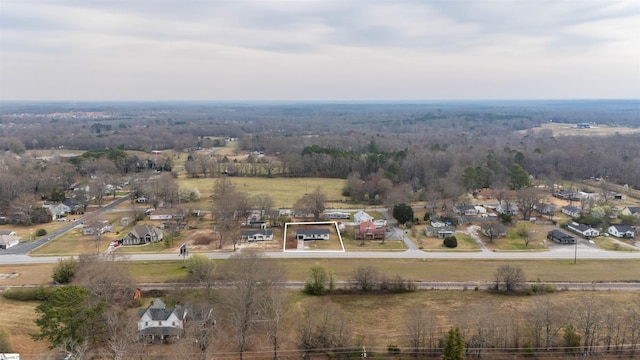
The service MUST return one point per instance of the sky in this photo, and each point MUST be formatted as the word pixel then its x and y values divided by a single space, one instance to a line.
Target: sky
pixel 318 50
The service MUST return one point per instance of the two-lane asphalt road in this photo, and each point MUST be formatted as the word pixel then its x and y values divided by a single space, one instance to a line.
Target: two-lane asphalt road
pixel 570 252
pixel 24 248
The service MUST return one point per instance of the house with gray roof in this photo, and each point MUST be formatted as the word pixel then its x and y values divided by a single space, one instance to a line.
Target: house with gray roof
pixel 571 211
pixel 312 234
pixel 582 229
pixel 622 231
pixel 143 234
pixel 157 321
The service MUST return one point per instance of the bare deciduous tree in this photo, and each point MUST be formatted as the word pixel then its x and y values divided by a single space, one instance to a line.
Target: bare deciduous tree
pixel 251 278
pixel 312 203
pixel 509 278
pixel 322 327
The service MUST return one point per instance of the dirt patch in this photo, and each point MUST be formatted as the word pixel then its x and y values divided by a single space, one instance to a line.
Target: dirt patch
pixel 206 240
pixel 8 276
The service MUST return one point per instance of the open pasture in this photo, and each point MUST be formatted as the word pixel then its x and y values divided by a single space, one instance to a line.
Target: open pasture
pixel 285 192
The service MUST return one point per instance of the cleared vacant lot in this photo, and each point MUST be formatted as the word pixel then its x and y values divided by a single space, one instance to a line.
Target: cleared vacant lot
pixel 560 129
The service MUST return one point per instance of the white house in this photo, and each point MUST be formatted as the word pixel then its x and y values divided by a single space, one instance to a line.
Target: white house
pixel 337 215
pixel 257 235
pixel 165 214
pixel 159 322
pixel 466 210
pixel 571 211
pixel 631 210
pixel 509 209
pixel 582 229
pixel 312 234
pixel 360 216
pixel 622 231
pixel 57 210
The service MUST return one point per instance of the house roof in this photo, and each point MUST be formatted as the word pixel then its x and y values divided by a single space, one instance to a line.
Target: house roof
pixel 7 232
pixel 360 216
pixel 623 228
pixel 312 231
pixel 560 235
pixel 571 208
pixel 142 230
pixel 159 312
pixel 579 227
pixel 634 209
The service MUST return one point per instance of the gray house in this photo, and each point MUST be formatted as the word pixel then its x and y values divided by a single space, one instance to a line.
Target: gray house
pixel 560 237
pixel 143 234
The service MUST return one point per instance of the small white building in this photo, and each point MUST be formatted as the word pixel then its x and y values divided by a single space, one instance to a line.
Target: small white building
pixel 622 231
pixel 582 229
pixel 360 216
pixel 7 241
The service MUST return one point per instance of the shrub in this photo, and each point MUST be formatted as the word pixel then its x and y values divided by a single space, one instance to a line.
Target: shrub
pixel 393 349
pixel 41 232
pixel 65 270
pixel 571 340
pixel 5 344
pixel 319 282
pixel 540 288
pixel 28 294
pixel 451 242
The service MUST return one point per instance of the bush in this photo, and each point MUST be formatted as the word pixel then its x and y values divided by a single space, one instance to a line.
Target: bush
pixel 451 242
pixel 319 281
pixel 5 344
pixel 41 232
pixel 64 271
pixel 540 288
pixel 28 294
pixel 393 349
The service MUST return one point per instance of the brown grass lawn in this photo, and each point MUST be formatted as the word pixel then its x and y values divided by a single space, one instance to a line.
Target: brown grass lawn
pixel 18 319
pixel 473 270
pixel 284 191
pixel 410 269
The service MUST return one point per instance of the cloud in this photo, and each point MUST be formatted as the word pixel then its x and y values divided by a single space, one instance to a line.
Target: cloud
pixel 261 48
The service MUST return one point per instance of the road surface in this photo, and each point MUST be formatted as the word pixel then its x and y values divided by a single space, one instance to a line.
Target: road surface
pixel 26 247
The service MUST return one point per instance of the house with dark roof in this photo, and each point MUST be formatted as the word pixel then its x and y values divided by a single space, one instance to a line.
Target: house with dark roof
pixel 622 231
pixel 257 235
pixel 312 234
pixel 157 321
pixel 560 237
pixel 571 211
pixel 143 234
pixel 631 210
pixel 583 230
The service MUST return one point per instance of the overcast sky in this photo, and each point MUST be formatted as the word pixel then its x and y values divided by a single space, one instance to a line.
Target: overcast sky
pixel 318 49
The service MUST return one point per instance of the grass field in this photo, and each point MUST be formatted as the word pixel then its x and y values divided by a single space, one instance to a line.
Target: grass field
pixel 411 269
pixel 284 191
